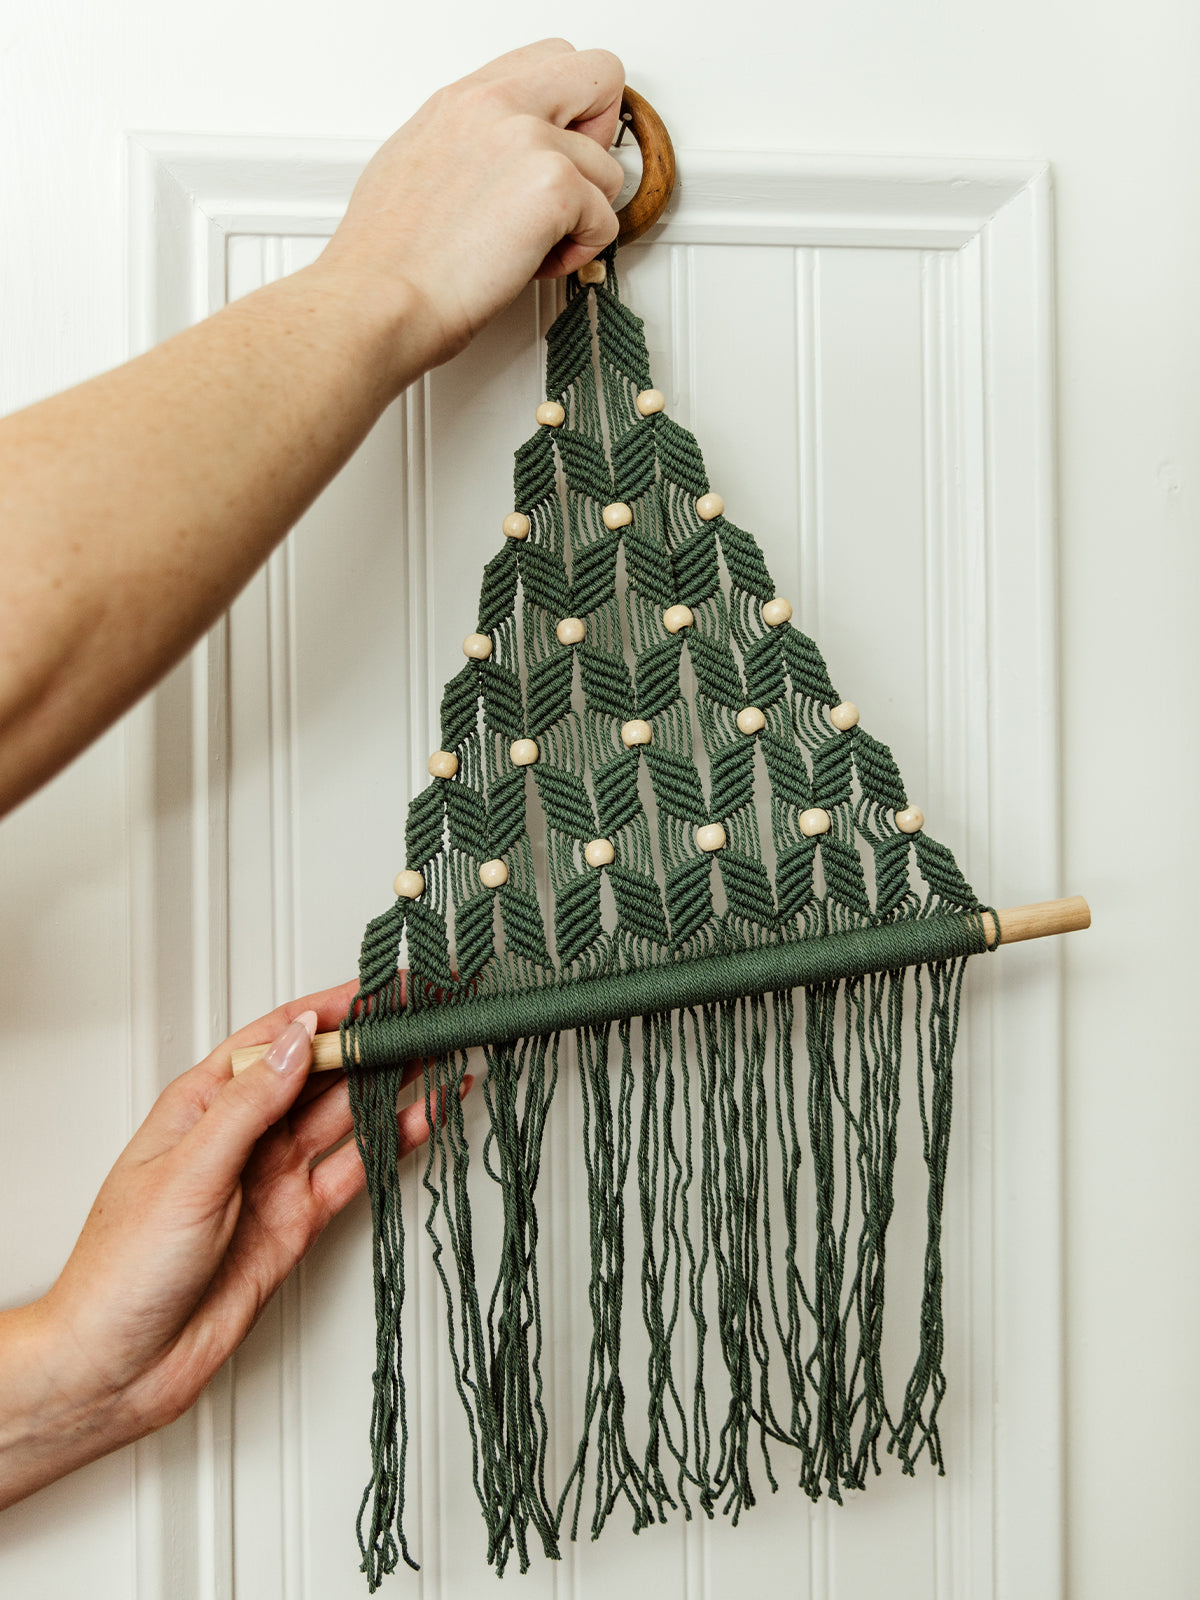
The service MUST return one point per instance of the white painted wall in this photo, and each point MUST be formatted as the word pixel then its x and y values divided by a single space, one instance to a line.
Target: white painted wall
pixel 1107 96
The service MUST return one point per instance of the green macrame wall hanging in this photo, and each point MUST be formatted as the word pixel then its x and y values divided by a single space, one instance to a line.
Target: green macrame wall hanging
pixel 731 983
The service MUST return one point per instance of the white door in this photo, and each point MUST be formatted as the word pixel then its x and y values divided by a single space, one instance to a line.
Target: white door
pixel 865 349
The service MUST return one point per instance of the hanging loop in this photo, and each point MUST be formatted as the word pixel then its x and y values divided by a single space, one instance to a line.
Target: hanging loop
pixel 658 166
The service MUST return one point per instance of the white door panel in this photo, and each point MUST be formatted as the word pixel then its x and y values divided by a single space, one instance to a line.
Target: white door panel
pixel 868 379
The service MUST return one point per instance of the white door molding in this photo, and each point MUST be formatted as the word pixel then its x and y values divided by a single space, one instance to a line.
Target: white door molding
pixel 206 217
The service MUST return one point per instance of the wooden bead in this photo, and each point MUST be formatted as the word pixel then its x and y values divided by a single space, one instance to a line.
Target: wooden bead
pixel 814 822
pixel 617 515
pixel 408 885
pixel 650 401
pixel 709 506
pixel 492 874
pixel 593 272
pixel 844 716
pixel 524 752
pixel 710 837
pixel 550 414
pixel 676 617
pixel 477 646
pixel 442 764
pixel 751 720
pixel 777 611
pixel 910 821
pixel 598 852
pixel 516 525
pixel 636 732
pixel 571 630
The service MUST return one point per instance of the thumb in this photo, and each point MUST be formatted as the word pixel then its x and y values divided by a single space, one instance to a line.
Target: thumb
pixel 237 1117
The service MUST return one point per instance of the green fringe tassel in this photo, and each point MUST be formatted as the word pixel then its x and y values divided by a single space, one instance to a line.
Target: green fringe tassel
pixel 373 1100
pixel 739 1169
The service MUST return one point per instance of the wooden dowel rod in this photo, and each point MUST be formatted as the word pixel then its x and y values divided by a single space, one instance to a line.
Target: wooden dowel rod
pixel 1016 924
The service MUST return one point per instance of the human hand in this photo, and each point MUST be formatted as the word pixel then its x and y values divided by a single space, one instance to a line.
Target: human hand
pixel 499 178
pixel 216 1198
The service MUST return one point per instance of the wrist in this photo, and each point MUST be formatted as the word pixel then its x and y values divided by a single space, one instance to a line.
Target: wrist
pixel 52 1420
pixel 56 1415
pixel 392 327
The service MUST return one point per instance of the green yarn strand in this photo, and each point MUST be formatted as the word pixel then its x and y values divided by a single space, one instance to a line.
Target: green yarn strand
pixel 381 1538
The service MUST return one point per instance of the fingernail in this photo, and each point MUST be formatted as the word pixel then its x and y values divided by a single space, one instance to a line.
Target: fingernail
pixel 294 1045
pixel 464 1087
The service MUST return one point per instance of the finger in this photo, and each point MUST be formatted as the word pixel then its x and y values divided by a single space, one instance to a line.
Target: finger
pixel 327 1117
pixel 412 1069
pixel 524 56
pixel 203 1081
pixel 599 122
pixel 331 1006
pixel 413 1122
pixel 185 1100
pixel 324 1120
pixel 595 226
pixel 218 1147
pixel 598 166
pixel 580 88
pixel 341 1176
pixel 317 1084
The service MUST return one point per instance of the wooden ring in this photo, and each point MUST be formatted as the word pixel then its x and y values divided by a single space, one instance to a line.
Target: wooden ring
pixel 658 167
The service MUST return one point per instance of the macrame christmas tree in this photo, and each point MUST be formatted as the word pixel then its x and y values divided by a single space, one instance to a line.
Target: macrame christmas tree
pixel 734 1005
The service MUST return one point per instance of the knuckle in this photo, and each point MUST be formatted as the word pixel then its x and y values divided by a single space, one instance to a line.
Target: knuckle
pixel 443 104
pixel 608 59
pixel 483 99
pixel 555 172
pixel 527 132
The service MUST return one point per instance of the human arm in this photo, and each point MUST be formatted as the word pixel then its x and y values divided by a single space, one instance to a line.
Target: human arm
pixel 210 1206
pixel 134 507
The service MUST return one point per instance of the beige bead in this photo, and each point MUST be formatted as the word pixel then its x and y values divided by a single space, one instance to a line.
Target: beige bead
pixel 709 506
pixel 550 414
pixel 814 822
pixel 524 752
pixel 751 720
pixel 710 837
pixel 593 272
pixel 477 646
pixel 650 401
pixel 676 617
pixel 777 611
pixel 442 764
pixel 910 821
pixel 636 732
pixel 844 716
pixel 598 852
pixel 617 515
pixel 516 525
pixel 408 885
pixel 492 874
pixel 571 630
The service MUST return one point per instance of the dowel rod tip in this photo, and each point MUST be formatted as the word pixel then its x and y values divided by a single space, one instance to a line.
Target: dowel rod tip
pixel 327 1054
pixel 1039 920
